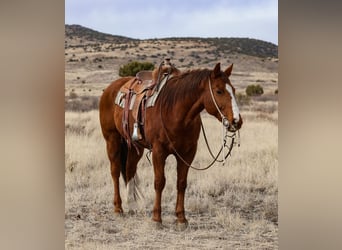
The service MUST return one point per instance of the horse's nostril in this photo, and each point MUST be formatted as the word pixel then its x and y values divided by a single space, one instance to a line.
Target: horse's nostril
pixel 225 122
pixel 236 124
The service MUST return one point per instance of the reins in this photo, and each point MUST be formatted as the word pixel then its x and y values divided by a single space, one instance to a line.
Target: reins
pixel 232 143
pixel 225 136
pixel 215 158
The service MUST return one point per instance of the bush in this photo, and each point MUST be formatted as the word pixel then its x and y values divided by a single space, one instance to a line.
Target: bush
pixel 73 95
pixel 132 68
pixel 254 90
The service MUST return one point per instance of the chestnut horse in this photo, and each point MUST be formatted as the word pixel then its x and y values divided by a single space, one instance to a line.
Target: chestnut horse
pixel 172 126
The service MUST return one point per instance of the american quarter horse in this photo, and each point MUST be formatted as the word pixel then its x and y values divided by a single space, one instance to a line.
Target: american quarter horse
pixel 172 126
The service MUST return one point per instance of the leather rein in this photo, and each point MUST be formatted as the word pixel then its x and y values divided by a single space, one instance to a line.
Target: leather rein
pixel 225 136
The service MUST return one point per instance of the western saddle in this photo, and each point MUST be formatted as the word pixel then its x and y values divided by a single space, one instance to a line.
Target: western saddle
pixel 135 94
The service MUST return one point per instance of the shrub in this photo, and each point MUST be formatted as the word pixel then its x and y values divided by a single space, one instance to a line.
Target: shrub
pixel 276 92
pixel 73 95
pixel 132 68
pixel 254 90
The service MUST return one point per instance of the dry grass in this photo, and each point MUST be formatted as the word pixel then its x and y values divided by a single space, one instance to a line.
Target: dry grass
pixel 229 207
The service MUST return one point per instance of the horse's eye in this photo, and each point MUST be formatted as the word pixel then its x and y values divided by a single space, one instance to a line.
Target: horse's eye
pixel 219 92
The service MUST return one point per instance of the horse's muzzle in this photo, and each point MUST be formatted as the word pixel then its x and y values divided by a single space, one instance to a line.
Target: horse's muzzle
pixel 233 127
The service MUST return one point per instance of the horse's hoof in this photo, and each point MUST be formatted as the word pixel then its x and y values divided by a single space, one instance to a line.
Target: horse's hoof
pixel 157 225
pixel 181 226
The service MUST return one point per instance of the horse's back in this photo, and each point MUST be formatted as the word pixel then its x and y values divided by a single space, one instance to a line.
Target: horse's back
pixel 106 105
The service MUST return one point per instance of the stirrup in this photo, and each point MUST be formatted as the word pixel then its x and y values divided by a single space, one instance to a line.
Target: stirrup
pixel 136 132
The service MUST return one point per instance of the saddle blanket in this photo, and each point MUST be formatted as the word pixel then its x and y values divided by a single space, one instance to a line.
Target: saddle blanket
pixel 120 97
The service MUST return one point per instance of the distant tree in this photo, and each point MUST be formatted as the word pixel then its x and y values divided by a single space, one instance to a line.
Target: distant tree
pixel 132 68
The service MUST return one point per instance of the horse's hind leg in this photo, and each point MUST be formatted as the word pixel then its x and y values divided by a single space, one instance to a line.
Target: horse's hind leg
pixel 114 151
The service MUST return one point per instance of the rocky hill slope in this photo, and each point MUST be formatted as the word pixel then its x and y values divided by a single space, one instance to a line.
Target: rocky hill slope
pixel 78 34
pixel 95 57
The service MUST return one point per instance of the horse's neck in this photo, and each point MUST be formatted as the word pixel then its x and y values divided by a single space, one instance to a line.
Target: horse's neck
pixel 185 112
pixel 194 110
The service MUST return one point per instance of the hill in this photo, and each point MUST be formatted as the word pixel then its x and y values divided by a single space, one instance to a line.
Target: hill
pixel 92 57
pixel 77 34
pixel 87 35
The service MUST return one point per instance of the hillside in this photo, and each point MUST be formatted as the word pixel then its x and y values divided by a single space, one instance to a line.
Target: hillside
pixel 87 35
pixel 92 57
pixel 78 34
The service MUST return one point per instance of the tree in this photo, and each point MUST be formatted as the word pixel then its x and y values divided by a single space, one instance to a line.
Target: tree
pixel 132 68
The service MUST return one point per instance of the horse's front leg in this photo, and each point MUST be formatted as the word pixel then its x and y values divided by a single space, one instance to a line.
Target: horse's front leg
pixel 158 159
pixel 182 175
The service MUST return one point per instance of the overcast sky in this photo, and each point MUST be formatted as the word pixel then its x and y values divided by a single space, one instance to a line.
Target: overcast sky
pixel 177 18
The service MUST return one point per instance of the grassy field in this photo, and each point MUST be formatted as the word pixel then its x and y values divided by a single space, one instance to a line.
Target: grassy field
pixel 228 207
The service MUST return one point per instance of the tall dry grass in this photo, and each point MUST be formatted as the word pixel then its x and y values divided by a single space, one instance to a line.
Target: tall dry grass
pixel 232 206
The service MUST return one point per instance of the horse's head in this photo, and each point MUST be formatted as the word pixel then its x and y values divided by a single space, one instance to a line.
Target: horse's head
pixel 220 99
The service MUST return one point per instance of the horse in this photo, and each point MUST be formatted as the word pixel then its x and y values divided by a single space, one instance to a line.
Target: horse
pixel 172 127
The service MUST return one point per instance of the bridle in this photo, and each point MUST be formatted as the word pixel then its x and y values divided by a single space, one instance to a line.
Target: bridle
pixel 225 121
pixel 225 137
pixel 225 126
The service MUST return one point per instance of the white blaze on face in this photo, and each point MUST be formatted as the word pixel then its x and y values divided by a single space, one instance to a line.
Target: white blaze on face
pixel 236 112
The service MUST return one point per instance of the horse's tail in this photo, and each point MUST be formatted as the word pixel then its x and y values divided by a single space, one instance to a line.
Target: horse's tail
pixel 123 158
pixel 134 193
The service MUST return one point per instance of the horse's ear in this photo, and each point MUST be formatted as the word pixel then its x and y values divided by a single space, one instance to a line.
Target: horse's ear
pixel 217 70
pixel 228 71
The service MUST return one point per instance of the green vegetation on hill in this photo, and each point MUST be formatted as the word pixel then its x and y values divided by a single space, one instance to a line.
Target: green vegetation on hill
pixel 254 90
pixel 247 46
pixel 132 68
pixel 252 47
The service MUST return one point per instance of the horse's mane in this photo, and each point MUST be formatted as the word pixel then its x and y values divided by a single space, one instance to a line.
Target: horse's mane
pixel 184 86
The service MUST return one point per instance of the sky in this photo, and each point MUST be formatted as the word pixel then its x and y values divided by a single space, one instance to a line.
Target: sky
pixel 144 19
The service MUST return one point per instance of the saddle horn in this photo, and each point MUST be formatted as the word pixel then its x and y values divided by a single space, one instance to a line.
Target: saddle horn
pixel 167 61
